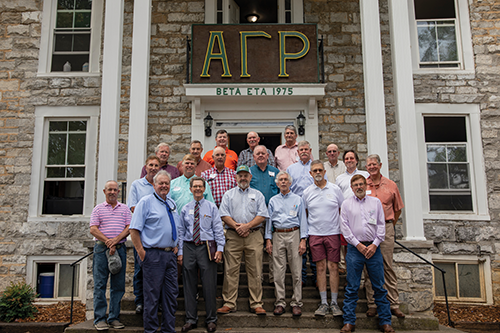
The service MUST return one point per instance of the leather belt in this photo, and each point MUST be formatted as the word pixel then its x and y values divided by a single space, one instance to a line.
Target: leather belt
pixel 251 230
pixel 366 243
pixel 286 229
pixel 191 242
pixel 117 245
pixel 166 249
pixel 389 221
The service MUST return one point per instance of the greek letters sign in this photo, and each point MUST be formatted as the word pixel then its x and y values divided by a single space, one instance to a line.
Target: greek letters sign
pixel 263 53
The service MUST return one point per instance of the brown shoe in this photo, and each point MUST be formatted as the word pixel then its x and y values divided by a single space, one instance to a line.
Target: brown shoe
pixel 258 311
pixel 386 328
pixel 225 310
pixel 211 327
pixel 188 327
pixel 347 328
pixel 279 310
pixel 296 311
pixel 372 312
pixel 398 313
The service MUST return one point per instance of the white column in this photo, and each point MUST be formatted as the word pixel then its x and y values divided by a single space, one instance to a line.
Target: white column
pixel 139 91
pixel 110 95
pixel 405 117
pixel 376 130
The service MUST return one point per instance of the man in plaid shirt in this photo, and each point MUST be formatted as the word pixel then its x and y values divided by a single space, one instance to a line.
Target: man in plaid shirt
pixel 220 178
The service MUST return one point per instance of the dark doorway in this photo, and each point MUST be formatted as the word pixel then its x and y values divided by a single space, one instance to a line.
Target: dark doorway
pixel 266 10
pixel 238 142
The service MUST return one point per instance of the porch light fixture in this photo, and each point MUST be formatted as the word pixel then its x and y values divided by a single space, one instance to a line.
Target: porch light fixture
pixel 208 121
pixel 252 18
pixel 301 122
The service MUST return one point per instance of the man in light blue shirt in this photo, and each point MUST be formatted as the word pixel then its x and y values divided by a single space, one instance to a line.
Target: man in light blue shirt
pixel 287 216
pixel 180 192
pixel 200 229
pixel 154 233
pixel 300 170
pixel 243 209
pixel 263 174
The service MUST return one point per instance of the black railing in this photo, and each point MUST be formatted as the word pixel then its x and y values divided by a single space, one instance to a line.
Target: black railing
pixel 450 323
pixel 188 57
pixel 124 192
pixel 322 58
pixel 73 284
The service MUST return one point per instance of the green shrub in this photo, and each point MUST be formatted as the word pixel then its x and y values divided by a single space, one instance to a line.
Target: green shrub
pixel 16 302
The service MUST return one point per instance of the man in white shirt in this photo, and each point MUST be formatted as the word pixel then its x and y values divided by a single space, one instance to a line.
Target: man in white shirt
pixel 351 161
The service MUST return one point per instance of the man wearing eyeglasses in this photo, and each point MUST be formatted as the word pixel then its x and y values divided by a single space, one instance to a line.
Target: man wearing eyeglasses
pixel 333 166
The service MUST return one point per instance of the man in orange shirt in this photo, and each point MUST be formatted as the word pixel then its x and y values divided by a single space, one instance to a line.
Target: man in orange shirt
pixel 388 193
pixel 231 156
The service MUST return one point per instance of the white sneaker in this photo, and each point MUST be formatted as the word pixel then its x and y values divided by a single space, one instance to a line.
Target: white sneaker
pixel 336 312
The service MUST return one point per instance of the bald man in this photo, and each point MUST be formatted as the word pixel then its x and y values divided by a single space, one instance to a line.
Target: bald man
pixel 333 166
pixel 246 156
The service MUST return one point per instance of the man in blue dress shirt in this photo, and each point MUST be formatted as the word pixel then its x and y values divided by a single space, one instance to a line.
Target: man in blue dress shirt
pixel 287 216
pixel 200 222
pixel 154 233
pixel 300 170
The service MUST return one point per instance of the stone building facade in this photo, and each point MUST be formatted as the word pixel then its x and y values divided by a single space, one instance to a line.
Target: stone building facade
pixel 372 107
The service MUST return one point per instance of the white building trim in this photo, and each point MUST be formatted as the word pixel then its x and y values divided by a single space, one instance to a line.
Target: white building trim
pixel 139 91
pixel 110 95
pixel 413 226
pixel 376 130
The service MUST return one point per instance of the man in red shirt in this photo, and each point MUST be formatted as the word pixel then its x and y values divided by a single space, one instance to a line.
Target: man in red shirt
pixel 231 156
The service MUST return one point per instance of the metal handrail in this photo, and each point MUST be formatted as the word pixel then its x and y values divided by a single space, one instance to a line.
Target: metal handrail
pixel 450 322
pixel 73 284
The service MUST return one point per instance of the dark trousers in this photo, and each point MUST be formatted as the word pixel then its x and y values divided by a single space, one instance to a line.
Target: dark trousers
pixel 195 257
pixel 159 270
pixel 139 298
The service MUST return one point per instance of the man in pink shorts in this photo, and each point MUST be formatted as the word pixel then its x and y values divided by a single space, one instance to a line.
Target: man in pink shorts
pixel 322 202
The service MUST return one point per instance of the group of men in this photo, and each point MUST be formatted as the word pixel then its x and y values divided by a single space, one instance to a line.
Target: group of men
pixel 223 206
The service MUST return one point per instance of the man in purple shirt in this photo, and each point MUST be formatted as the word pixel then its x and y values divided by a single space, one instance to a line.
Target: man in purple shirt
pixel 163 153
pixel 363 226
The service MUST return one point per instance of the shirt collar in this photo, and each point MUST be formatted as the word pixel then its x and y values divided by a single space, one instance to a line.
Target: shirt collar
pixel 360 200
pixel 285 195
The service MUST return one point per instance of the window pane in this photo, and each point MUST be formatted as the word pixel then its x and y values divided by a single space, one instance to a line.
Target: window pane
pixel 288 5
pixel 434 9
pixel 219 4
pixel 82 42
pixel 447 44
pixel 436 153
pixel 457 153
pixel 445 129
pixel 219 17
pixel 456 202
pixel 63 42
pixel 56 126
pixel 76 149
pixel 78 125
pixel 438 176
pixel 459 176
pixel 66 279
pixel 450 276
pixel 288 17
pixel 75 172
pixel 82 19
pixel 83 4
pixel 57 149
pixel 469 281
pixel 76 62
pixel 427 43
pixel 63 197
pixel 55 172
pixel 64 20
pixel 65 4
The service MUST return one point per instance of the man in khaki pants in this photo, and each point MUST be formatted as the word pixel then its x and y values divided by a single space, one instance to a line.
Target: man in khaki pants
pixel 387 192
pixel 243 209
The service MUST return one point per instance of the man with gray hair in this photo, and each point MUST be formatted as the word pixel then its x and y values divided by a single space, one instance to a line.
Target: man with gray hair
pixel 333 166
pixel 246 156
pixel 286 235
pixel 300 170
pixel 287 154
pixel 163 153
pixel 195 149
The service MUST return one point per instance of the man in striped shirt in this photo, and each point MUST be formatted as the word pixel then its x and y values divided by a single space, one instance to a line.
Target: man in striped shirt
pixel 109 224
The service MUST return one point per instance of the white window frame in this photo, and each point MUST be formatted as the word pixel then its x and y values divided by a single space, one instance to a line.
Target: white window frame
pixel 484 263
pixel 297 11
pixel 47 40
pixel 471 112
pixel 464 42
pixel 44 114
pixel 31 275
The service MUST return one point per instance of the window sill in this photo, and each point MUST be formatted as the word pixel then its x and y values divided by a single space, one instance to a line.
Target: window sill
pixel 68 74
pixel 444 71
pixel 59 218
pixel 457 216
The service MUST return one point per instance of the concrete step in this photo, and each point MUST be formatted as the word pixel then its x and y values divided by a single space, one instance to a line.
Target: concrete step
pixel 247 322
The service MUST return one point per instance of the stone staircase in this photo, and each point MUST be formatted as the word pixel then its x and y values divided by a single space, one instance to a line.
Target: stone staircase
pixel 243 319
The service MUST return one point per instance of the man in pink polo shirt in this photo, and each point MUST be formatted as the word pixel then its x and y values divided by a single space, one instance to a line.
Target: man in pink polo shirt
pixel 287 154
pixel 109 224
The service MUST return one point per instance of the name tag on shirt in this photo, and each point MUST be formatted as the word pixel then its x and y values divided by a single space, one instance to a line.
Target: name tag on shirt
pixel 293 213
pixel 212 176
pixel 372 219
pixel 329 196
pixel 297 158
pixel 251 196
pixel 368 192
pixel 177 188
pixel 271 173
pixel 191 212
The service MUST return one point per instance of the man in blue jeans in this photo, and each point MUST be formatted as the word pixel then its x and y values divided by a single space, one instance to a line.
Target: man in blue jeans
pixel 109 225
pixel 363 227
